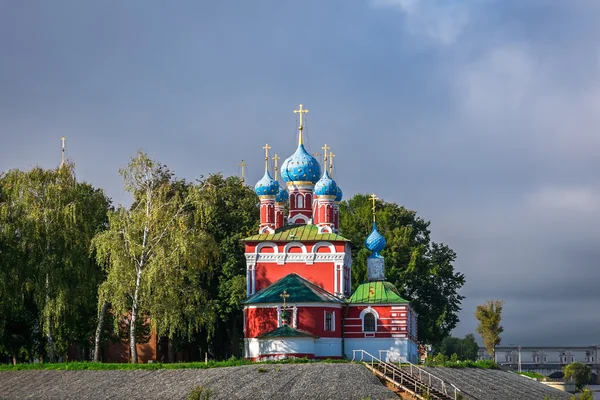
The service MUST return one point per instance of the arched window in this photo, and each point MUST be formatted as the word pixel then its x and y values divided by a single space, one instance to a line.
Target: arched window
pixel 299 203
pixel 369 322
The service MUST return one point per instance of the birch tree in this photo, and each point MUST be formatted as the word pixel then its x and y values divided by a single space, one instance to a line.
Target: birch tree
pixel 153 253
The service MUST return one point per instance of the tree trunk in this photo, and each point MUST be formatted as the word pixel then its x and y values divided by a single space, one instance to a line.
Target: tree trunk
pixel 171 350
pixel 48 329
pixel 99 330
pixel 14 359
pixel 134 313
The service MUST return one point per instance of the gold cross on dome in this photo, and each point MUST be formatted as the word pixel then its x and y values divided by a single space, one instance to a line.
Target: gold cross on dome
pixel 373 199
pixel 242 165
pixel 284 296
pixel 276 159
pixel 325 148
pixel 331 155
pixel 62 157
pixel 300 111
pixel 266 147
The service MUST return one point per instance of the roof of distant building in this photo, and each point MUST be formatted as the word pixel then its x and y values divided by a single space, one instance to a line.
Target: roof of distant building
pixel 286 331
pixel 380 292
pixel 299 289
pixel 292 233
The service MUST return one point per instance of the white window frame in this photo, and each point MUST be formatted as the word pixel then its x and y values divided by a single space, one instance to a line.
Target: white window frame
pixel 332 321
pixel 299 201
pixel 366 311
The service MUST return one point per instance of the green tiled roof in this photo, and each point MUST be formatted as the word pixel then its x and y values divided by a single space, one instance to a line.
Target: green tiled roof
pixel 376 293
pixel 286 331
pixel 292 233
pixel 299 289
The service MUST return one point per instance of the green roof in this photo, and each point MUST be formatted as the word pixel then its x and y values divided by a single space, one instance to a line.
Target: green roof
pixel 286 331
pixel 379 292
pixel 291 233
pixel 299 289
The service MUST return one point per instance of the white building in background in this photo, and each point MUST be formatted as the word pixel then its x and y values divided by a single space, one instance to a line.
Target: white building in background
pixel 544 360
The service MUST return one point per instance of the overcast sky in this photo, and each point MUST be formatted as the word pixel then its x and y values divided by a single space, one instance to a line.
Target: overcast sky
pixel 481 115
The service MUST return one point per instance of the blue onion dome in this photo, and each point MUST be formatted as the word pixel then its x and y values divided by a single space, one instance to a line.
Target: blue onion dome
pixel 339 195
pixel 326 186
pixel 267 186
pixel 301 166
pixel 375 241
pixel 282 196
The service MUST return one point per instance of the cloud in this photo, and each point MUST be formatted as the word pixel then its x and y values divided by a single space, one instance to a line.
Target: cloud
pixel 441 21
pixel 565 199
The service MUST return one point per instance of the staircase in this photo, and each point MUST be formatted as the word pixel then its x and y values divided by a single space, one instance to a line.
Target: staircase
pixel 409 377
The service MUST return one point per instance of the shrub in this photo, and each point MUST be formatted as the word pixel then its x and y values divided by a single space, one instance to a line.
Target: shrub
pixel 199 393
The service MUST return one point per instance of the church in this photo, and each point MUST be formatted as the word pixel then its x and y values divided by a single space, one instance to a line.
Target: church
pixel 300 301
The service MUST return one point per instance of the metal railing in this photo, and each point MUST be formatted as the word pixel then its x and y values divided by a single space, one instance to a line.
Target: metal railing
pixel 426 378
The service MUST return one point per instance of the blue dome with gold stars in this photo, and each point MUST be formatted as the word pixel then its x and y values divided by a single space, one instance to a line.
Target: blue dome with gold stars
pixel 375 242
pixel 267 186
pixel 326 186
pixel 301 166
pixel 282 196
pixel 339 194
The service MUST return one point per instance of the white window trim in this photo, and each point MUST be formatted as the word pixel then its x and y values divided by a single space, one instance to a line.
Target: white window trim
pixel 332 321
pixel 366 311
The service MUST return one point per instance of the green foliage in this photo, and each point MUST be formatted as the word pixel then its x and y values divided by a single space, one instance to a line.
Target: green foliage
pixel 81 366
pixel 199 393
pixel 262 370
pixel 422 270
pixel 454 358
pixel 579 373
pixel 585 395
pixel 439 359
pixel 489 316
pixel 533 375
pixel 443 362
pixel 156 255
pixel 48 280
pixel 465 349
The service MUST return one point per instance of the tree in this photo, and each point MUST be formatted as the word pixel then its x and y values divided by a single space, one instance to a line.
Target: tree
pixel 465 349
pixel 489 316
pixel 422 270
pixel 228 211
pixel 48 220
pixel 580 373
pixel 154 254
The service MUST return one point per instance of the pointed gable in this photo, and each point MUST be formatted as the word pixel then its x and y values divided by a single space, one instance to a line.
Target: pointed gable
pixel 299 289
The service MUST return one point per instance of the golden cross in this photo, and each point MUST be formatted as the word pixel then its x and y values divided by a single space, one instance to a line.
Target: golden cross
pixel 242 164
pixel 316 154
pixel 266 147
pixel 284 296
pixel 276 159
pixel 325 148
pixel 373 199
pixel 62 158
pixel 331 155
pixel 300 111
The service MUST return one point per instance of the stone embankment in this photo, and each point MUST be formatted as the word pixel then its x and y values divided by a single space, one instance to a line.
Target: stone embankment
pixel 493 384
pixel 267 381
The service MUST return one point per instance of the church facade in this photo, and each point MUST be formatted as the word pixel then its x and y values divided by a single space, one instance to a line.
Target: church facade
pixel 299 274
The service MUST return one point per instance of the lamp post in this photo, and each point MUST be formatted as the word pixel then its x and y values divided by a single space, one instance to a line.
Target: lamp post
pixel 519 358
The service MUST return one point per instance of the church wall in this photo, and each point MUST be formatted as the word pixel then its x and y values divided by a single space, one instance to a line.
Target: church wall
pixel 260 321
pixel 312 319
pixel 396 347
pixel 391 321
pixel 321 274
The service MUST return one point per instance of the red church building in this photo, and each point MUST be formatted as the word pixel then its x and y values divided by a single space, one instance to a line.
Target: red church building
pixel 299 269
